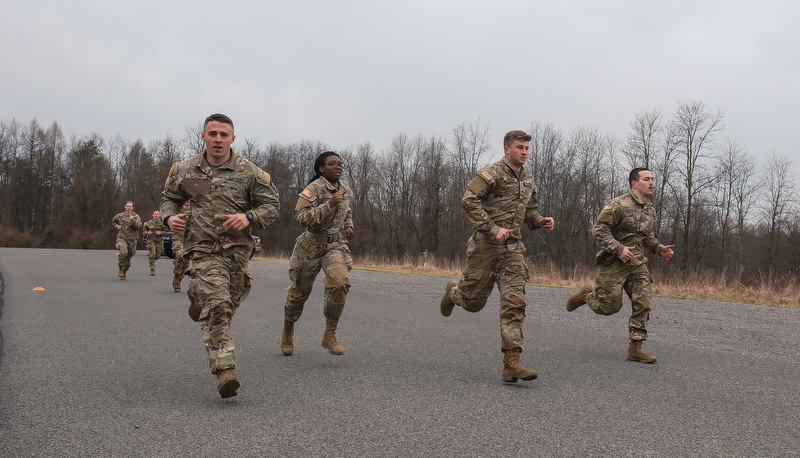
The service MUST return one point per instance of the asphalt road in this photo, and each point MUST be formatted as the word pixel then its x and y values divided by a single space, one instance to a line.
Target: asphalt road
pixel 95 366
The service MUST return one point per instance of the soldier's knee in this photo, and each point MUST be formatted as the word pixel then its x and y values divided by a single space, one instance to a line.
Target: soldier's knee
pixel 337 280
pixel 606 303
pixel 474 304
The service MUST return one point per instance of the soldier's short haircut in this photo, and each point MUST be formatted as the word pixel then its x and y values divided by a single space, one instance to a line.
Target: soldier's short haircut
pixel 130 202
pixel 634 175
pixel 516 135
pixel 219 117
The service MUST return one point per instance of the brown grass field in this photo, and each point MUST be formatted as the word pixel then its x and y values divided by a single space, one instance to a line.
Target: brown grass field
pixel 723 287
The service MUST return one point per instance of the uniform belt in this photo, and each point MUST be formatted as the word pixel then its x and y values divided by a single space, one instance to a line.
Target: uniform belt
pixel 486 238
pixel 324 238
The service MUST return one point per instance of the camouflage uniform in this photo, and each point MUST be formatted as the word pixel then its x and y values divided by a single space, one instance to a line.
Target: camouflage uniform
pixel 181 261
pixel 498 197
pixel 323 245
pixel 624 221
pixel 127 237
pixel 219 279
pixel 155 242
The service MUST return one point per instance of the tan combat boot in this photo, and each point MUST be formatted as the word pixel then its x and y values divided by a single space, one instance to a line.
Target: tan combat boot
pixel 329 339
pixel 287 343
pixel 176 283
pixel 447 304
pixel 512 371
pixel 124 272
pixel 578 299
pixel 121 273
pixel 194 307
pixel 152 271
pixel 227 383
pixel 635 353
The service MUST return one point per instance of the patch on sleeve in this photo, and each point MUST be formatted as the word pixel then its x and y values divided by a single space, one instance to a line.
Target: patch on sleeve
pixel 607 213
pixel 308 194
pixel 486 175
pixel 263 177
pixel 173 169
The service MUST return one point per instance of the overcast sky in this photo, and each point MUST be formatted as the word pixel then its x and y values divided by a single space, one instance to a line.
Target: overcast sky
pixel 350 72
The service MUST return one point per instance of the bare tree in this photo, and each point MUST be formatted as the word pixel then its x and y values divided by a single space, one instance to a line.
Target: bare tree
pixel 193 139
pixel 644 139
pixel 167 152
pixel 249 149
pixel 91 192
pixel 469 143
pixel 362 168
pixel 695 127
pixel 430 192
pixel 651 144
pixel 777 205
pixel 734 192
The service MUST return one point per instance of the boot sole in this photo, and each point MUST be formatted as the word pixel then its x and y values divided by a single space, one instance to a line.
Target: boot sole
pixel 642 360
pixel 194 313
pixel 331 351
pixel 446 305
pixel 579 299
pixel 229 388
pixel 515 379
pixel 287 351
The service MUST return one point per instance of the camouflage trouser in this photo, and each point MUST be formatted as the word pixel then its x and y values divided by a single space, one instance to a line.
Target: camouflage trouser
pixel 127 248
pixel 155 249
pixel 220 282
pixel 181 262
pixel 606 299
pixel 308 257
pixel 488 264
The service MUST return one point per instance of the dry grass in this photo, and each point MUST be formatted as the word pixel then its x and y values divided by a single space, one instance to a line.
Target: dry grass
pixel 770 290
pixel 13 238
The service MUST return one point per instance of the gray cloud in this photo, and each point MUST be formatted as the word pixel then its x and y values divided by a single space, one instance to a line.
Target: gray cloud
pixel 349 72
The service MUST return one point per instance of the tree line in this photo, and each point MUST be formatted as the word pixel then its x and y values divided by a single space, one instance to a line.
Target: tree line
pixel 723 211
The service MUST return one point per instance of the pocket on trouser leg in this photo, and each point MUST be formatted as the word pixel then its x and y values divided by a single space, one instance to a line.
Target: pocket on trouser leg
pixel 240 287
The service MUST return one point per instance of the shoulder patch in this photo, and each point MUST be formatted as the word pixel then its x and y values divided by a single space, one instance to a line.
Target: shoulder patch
pixel 608 207
pixel 263 176
pixel 486 175
pixel 173 169
pixel 307 193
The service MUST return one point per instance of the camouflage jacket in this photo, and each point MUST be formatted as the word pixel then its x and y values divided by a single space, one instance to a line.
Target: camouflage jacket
pixel 237 186
pixel 130 227
pixel 625 221
pixel 498 197
pixel 155 225
pixel 313 212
